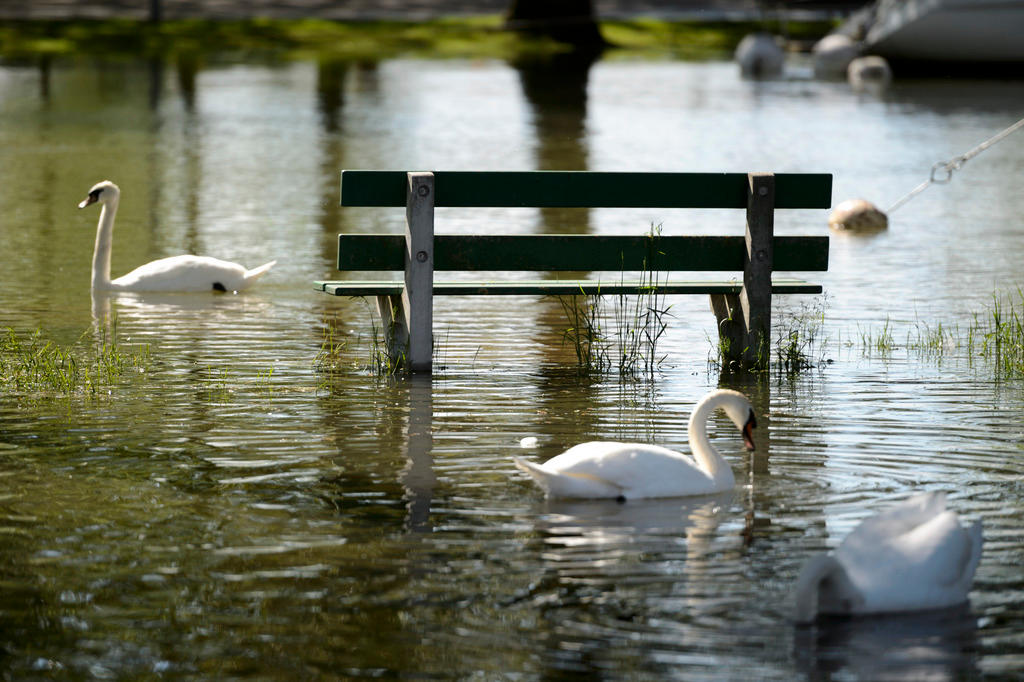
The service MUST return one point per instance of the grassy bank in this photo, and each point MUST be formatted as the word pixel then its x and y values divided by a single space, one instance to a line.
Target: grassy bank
pixel 465 37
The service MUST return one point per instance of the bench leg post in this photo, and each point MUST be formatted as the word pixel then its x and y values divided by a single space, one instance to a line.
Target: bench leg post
pixel 745 319
pixel 732 338
pixel 396 332
pixel 756 295
pixel 418 295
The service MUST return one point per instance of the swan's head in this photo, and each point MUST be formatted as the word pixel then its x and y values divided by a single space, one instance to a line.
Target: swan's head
pixel 102 192
pixel 740 411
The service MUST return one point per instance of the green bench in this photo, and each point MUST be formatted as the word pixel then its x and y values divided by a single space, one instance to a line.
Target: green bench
pixel 742 305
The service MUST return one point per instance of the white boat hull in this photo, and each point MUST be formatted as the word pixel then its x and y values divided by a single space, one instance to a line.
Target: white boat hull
pixel 948 30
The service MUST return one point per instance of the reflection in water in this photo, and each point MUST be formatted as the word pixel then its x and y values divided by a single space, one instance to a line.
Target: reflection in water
pixel 418 474
pixel 933 645
pixel 330 90
pixel 156 82
pixel 556 89
pixel 599 551
pixel 45 75
pixel 158 307
pixel 187 68
pixel 570 527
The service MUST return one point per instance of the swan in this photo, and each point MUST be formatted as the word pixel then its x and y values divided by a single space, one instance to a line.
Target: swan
pixel 627 471
pixel 911 557
pixel 177 273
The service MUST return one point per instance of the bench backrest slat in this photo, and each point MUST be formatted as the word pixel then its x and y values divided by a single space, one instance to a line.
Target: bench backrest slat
pixel 585 189
pixel 615 253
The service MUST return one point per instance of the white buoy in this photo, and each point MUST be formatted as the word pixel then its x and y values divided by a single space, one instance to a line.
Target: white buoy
pixel 833 54
pixel 759 56
pixel 870 73
pixel 857 215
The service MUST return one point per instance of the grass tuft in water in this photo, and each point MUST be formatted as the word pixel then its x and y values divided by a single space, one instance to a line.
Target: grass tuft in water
pixel 1001 337
pixel 330 358
pixel 799 345
pixel 385 358
pixel 30 364
pixel 639 323
pixel 585 333
pixel 881 341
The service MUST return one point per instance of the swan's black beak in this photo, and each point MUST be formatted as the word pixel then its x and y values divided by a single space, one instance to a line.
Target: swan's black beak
pixel 748 431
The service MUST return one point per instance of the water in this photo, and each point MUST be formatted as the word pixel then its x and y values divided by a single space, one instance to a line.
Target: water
pixel 233 512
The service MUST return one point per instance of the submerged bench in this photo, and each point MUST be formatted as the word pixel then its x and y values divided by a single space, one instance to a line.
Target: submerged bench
pixel 741 305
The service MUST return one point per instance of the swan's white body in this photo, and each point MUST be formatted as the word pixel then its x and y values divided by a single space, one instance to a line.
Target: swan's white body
pixel 177 273
pixel 912 557
pixel 635 471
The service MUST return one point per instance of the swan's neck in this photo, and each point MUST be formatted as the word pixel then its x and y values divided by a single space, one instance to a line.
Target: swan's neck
pixel 706 455
pixel 824 587
pixel 104 241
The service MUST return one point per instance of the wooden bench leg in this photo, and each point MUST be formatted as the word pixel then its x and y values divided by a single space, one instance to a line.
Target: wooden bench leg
pixel 396 331
pixel 745 320
pixel 418 296
pixel 732 338
pixel 756 296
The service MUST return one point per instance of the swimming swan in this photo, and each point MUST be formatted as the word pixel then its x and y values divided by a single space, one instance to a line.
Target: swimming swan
pixel 634 471
pixel 912 557
pixel 177 273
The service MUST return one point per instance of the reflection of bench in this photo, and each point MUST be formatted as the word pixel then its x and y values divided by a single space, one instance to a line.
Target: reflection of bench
pixel 742 306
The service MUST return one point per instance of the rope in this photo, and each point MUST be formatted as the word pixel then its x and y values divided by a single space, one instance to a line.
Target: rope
pixel 956 163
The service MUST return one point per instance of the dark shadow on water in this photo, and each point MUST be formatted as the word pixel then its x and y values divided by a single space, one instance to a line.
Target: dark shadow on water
pixel 932 645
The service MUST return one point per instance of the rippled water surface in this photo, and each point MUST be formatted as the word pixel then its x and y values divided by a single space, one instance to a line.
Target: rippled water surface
pixel 234 509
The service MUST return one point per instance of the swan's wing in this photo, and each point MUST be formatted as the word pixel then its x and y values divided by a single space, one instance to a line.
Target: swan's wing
pixel 895 521
pixel 942 552
pixel 639 470
pixel 930 566
pixel 184 273
pixel 568 484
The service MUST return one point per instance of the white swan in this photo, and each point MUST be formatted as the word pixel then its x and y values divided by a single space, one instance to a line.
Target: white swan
pixel 634 471
pixel 912 557
pixel 177 273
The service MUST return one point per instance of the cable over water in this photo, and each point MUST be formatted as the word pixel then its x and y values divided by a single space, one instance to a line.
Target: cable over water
pixel 942 172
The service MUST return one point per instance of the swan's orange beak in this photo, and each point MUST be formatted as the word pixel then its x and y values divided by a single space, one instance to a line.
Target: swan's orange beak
pixel 91 199
pixel 748 432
